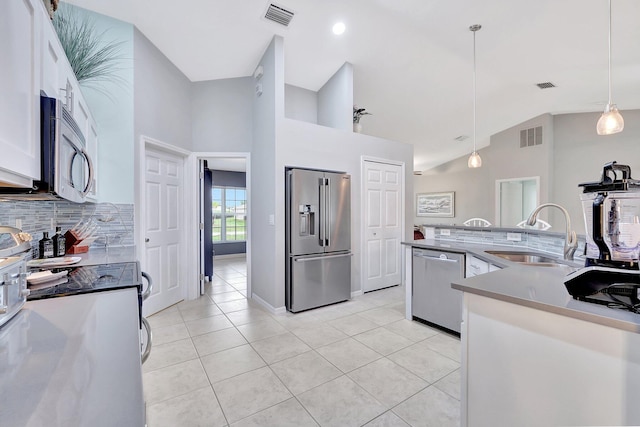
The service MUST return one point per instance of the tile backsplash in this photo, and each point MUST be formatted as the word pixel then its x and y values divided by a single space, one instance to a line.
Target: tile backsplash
pixel 115 221
pixel 542 241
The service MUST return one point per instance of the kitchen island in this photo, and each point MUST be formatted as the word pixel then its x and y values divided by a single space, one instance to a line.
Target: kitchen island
pixel 532 355
pixel 73 361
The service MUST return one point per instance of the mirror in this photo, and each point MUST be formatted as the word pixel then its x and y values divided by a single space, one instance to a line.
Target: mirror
pixel 515 199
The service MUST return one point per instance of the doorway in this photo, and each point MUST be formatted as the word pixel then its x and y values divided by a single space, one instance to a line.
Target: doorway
pixel 516 198
pixel 383 216
pixel 223 217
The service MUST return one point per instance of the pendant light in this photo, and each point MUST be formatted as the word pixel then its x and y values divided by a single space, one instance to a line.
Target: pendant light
pixel 474 159
pixel 611 120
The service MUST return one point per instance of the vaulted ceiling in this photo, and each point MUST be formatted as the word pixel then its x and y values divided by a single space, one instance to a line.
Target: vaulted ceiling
pixel 413 59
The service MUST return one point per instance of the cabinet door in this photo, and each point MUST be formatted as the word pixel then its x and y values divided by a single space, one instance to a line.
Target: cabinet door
pixel 475 266
pixel 20 26
pixel 53 57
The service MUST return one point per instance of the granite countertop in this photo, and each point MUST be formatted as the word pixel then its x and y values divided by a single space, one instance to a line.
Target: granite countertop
pixel 541 288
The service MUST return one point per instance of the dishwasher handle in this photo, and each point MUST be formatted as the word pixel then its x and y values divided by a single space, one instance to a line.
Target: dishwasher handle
pixel 442 257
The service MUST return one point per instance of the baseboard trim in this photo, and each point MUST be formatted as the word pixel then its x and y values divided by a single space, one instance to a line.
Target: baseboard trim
pixel 225 256
pixel 356 293
pixel 269 307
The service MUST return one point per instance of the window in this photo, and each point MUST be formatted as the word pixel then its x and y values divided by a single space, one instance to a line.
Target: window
pixel 229 210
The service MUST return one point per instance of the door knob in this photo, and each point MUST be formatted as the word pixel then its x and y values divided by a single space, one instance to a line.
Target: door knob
pixel 146 240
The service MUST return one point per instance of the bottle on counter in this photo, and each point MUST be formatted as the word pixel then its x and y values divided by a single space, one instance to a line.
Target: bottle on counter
pixel 46 246
pixel 59 242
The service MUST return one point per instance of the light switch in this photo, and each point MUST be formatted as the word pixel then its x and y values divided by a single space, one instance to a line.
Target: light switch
pixel 272 219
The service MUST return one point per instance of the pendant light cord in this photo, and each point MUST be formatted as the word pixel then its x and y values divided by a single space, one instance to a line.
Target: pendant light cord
pixel 609 52
pixel 474 90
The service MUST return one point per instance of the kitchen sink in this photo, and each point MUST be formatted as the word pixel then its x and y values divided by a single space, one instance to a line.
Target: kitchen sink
pixel 527 258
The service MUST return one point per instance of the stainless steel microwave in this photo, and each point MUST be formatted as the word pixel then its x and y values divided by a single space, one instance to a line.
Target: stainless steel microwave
pixel 66 169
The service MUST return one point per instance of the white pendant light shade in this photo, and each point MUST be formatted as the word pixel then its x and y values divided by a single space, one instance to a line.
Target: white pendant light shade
pixel 610 121
pixel 475 161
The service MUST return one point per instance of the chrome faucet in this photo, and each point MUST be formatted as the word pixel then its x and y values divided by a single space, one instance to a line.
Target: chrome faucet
pixel 570 239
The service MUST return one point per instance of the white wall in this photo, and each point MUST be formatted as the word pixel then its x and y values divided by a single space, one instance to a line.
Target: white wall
pixel 300 104
pixel 162 104
pixel 222 115
pixel 335 100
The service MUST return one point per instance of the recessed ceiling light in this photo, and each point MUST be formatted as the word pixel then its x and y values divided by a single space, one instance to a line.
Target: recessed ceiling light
pixel 338 28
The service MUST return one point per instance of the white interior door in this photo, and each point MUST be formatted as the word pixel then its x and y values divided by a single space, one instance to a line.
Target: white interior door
pixel 163 226
pixel 383 224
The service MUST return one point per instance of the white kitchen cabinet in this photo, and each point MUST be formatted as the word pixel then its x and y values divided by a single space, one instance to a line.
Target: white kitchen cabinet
pixel 475 266
pixel 20 30
pixel 545 369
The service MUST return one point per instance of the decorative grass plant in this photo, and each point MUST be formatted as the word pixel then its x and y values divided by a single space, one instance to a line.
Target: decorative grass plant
pixel 92 58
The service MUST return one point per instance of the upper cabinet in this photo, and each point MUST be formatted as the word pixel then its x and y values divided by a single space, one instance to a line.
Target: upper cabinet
pixel 34 61
pixel 20 30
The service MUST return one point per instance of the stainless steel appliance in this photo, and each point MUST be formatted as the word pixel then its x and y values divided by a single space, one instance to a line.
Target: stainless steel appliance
pixel 433 300
pixel 102 277
pixel 13 287
pixel 611 209
pixel 318 238
pixel 66 169
pixel 13 271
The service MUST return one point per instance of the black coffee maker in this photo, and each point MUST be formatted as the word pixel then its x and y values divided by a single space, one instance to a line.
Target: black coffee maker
pixel 611 208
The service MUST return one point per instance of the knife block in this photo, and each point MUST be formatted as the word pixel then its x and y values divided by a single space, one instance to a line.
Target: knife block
pixel 73 244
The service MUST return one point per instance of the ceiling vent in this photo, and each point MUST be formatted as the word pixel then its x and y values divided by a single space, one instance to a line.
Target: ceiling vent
pixel 531 137
pixel 461 138
pixel 279 14
pixel 545 85
pixel 417 173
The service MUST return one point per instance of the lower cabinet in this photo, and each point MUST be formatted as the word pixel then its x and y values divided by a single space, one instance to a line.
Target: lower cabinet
pixel 476 266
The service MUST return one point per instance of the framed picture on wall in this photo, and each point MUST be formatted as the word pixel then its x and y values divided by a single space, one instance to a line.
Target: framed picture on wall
pixel 435 204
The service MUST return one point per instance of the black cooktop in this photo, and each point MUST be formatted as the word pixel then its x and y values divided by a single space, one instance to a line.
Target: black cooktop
pixel 89 278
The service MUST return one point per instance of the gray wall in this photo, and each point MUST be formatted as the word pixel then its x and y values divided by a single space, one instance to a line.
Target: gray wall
pixel 571 153
pixel 580 154
pixel 335 100
pixel 222 115
pixel 263 174
pixel 300 104
pixel 229 178
pixel 162 104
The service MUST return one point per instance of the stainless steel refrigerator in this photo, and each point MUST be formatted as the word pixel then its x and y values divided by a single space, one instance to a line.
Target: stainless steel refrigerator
pixel 318 238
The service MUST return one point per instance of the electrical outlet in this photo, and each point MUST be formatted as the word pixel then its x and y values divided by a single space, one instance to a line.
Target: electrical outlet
pixel 19 223
pixel 445 232
pixel 52 223
pixel 514 237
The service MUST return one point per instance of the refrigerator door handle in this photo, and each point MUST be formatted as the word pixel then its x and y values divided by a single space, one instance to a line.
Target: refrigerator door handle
pixel 327 212
pixel 321 212
pixel 316 258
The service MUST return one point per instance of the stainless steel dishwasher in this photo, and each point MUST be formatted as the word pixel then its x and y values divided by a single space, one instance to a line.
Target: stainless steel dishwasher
pixel 433 299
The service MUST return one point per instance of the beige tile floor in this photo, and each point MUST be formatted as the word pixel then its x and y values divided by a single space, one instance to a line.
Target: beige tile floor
pixel 222 360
